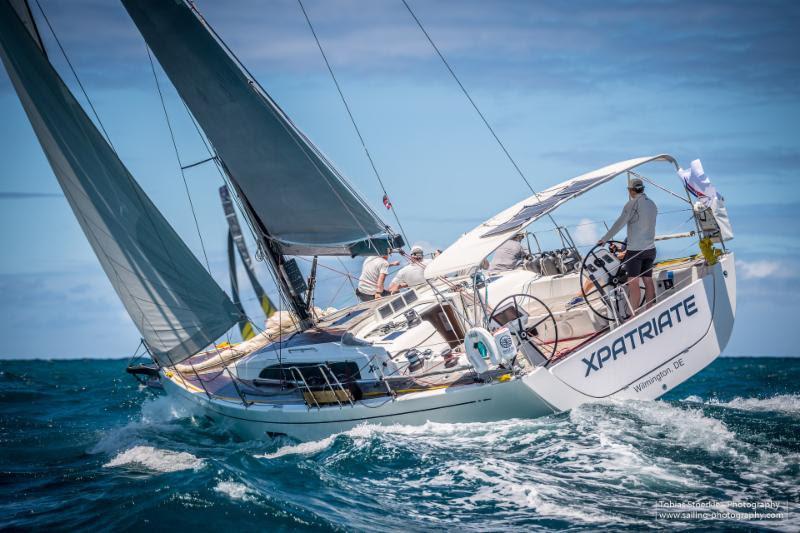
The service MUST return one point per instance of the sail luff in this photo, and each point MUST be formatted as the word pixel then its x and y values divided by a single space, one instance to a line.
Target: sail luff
pixel 176 305
pixel 24 13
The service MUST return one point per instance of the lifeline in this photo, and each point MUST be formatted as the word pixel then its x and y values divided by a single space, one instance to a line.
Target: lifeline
pixel 648 330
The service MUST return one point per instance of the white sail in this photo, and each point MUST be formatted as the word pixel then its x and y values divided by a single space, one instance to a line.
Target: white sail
pixel 174 302
pixel 300 199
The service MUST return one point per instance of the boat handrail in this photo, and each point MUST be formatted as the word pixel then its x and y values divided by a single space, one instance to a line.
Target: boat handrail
pixel 385 381
pixel 294 370
pixel 323 368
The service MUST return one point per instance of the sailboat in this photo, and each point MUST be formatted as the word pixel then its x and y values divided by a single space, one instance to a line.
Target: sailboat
pixel 469 345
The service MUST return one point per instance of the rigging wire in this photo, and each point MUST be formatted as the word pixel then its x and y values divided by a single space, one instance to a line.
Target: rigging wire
pixel 79 212
pixel 178 157
pixel 227 181
pixel 353 120
pixel 75 74
pixel 474 105
pixel 292 129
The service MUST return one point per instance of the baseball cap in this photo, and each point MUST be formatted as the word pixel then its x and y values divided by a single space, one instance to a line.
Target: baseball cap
pixel 635 183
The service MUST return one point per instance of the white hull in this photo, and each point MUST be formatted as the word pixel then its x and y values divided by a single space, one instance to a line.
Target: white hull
pixel 684 346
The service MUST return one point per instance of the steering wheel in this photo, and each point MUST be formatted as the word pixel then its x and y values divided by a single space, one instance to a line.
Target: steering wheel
pixel 529 333
pixel 603 276
pixel 612 277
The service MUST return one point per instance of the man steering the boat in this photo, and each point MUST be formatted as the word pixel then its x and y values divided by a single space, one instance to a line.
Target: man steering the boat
pixel 639 215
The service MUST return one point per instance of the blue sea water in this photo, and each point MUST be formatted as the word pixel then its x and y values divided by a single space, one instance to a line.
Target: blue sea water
pixel 84 447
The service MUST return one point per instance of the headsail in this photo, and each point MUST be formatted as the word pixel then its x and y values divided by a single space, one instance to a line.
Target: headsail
pixel 301 200
pixel 175 303
pixel 23 10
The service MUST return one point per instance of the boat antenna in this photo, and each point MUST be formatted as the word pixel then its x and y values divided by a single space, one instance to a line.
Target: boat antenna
pixel 475 106
pixel 389 205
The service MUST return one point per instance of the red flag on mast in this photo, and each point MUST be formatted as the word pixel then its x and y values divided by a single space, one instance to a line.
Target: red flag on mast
pixel 386 201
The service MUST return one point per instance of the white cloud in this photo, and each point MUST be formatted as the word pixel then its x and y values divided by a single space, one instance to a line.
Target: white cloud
pixel 759 269
pixel 586 233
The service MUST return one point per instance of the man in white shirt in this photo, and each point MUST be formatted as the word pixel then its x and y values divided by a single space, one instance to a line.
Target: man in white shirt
pixel 412 274
pixel 373 277
pixel 509 255
pixel 639 215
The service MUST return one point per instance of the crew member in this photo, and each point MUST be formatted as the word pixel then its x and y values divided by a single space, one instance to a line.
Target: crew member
pixel 509 255
pixel 373 277
pixel 639 215
pixel 412 274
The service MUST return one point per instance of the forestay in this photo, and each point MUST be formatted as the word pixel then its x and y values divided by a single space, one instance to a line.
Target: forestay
pixel 175 303
pixel 468 251
pixel 303 203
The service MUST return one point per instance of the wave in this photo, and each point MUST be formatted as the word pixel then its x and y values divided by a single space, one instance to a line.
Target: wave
pixel 234 490
pixel 304 448
pixel 600 466
pixel 780 403
pixel 156 460
pixel 156 419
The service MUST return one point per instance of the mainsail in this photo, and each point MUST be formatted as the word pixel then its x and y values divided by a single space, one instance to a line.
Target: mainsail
pixel 178 308
pixel 298 197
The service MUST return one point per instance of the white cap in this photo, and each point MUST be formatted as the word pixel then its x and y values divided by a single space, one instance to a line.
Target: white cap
pixel 416 250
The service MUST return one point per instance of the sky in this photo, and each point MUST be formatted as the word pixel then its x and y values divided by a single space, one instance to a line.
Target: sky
pixel 567 86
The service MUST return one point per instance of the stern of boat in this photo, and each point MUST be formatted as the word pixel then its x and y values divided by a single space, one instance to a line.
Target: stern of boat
pixel 651 353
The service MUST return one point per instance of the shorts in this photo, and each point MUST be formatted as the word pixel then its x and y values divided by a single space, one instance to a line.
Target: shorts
pixel 639 263
pixel 364 297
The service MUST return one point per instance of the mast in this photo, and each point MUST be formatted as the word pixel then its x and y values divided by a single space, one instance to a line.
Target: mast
pixel 275 260
pixel 294 198
pixel 236 242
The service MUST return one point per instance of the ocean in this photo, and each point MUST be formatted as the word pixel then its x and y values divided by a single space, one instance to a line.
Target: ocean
pixel 84 447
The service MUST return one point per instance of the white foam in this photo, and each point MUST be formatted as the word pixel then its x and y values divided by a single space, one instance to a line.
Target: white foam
pixel 693 399
pixel 781 403
pixel 234 490
pixel 683 426
pixel 156 460
pixel 157 415
pixel 304 448
pixel 165 409
pixel 365 432
pixel 508 486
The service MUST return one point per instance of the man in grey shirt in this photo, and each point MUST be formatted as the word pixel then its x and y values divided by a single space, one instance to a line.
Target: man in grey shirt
pixel 509 255
pixel 639 215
